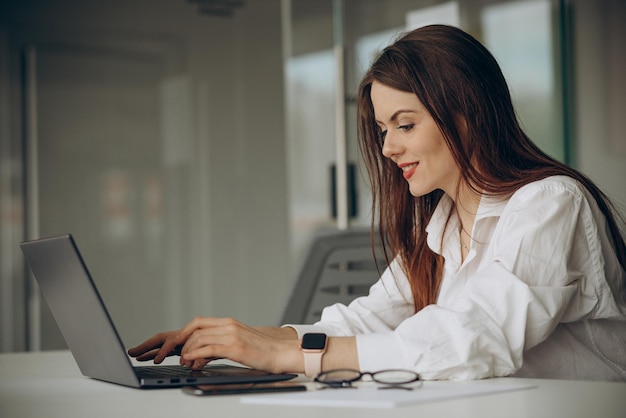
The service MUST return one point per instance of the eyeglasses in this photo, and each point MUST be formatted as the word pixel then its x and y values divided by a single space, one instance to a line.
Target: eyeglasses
pixel 392 379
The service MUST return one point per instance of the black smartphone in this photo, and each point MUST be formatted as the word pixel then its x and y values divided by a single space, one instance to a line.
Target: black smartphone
pixel 243 388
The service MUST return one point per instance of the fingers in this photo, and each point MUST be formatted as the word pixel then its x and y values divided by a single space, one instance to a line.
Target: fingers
pixel 200 322
pixel 202 331
pixel 146 346
pixel 225 338
pixel 148 355
pixel 165 344
pixel 158 347
pixel 201 345
pixel 198 364
pixel 203 339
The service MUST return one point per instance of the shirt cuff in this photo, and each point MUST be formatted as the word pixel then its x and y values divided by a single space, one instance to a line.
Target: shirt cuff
pixel 378 351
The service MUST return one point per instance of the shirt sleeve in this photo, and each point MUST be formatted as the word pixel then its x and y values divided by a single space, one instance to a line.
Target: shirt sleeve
pixel 388 302
pixel 542 266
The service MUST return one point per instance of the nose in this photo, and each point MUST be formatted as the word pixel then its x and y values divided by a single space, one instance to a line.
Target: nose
pixel 391 146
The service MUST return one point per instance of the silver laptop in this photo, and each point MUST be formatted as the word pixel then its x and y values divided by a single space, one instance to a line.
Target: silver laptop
pixel 90 333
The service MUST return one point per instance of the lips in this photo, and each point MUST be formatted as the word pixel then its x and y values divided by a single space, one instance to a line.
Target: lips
pixel 408 169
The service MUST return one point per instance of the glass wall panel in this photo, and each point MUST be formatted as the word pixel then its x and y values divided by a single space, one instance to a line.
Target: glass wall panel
pixel 522 35
pixel 310 144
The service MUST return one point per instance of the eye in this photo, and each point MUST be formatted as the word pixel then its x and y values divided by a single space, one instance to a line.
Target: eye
pixel 406 127
pixel 382 134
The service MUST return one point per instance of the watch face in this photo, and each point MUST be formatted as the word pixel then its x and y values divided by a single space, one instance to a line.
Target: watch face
pixel 314 341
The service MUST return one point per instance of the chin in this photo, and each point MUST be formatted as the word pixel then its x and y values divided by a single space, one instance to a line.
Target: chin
pixel 420 191
pixel 417 193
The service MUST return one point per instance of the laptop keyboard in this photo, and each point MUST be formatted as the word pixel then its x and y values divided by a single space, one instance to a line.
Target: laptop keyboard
pixel 174 371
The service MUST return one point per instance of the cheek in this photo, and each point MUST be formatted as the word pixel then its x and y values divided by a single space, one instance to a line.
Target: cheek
pixel 447 160
pixel 437 149
pixel 444 162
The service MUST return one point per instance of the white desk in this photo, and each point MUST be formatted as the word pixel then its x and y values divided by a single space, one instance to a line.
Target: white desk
pixel 49 385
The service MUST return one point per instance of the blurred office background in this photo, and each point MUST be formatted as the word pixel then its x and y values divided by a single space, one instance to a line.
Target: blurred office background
pixel 195 147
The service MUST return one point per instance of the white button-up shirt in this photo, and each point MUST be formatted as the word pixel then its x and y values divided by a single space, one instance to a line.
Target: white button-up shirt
pixel 539 294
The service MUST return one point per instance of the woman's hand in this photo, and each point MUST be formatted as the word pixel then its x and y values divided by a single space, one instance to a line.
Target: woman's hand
pixel 205 339
pixel 158 347
pixel 260 348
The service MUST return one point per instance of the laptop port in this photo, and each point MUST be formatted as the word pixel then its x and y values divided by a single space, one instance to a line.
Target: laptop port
pixel 174 380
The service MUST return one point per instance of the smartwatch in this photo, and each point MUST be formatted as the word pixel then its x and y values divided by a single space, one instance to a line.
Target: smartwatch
pixel 313 347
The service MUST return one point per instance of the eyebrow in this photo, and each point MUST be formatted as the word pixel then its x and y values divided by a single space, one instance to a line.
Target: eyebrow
pixel 398 113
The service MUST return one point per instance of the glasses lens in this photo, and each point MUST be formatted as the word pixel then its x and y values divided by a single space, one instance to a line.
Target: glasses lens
pixel 395 377
pixel 338 376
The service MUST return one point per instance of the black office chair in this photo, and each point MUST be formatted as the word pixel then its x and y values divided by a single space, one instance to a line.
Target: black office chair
pixel 339 267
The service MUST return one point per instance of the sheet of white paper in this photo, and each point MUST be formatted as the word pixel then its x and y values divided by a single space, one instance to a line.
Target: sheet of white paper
pixel 372 397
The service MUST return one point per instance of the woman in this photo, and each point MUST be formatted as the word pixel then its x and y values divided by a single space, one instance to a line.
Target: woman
pixel 502 260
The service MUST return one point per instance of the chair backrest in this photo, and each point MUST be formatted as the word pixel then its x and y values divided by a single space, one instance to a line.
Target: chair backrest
pixel 340 266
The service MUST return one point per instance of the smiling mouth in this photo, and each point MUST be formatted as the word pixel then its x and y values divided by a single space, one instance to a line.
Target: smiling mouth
pixel 408 170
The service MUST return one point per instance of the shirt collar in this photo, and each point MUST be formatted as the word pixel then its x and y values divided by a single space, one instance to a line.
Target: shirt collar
pixel 437 224
pixel 489 206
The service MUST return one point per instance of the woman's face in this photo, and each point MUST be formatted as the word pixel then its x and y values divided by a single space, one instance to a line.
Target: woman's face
pixel 413 141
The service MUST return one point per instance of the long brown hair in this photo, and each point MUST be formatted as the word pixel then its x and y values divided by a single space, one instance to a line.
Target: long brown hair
pixel 453 75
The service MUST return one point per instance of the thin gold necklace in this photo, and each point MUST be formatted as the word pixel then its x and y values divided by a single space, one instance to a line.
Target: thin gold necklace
pixel 462 230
